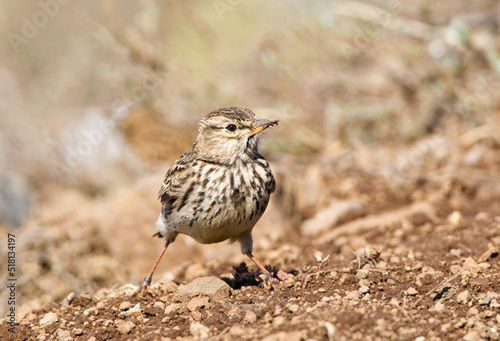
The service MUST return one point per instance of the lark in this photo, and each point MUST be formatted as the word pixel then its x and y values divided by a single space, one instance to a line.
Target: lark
pixel 220 188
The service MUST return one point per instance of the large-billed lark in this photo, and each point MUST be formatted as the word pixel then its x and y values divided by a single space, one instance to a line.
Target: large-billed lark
pixel 220 188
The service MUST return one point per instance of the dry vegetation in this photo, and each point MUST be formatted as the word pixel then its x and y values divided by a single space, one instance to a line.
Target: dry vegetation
pixel 386 156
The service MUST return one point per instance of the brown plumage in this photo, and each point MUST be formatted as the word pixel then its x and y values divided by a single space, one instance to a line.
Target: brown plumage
pixel 220 188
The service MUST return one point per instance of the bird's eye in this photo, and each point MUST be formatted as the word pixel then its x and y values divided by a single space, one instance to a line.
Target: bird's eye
pixel 231 128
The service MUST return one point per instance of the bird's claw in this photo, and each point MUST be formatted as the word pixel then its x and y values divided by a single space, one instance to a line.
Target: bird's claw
pixel 142 289
pixel 270 283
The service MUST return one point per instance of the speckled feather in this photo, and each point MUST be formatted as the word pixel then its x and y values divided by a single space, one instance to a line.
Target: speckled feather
pixel 220 188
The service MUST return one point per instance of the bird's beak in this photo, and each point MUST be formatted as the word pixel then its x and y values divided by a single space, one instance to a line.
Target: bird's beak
pixel 261 125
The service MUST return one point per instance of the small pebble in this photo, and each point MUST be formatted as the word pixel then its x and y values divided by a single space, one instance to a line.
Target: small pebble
pixel 364 290
pixel 362 274
pixel 412 291
pixel 125 305
pixel 455 218
pixel 63 335
pixel 135 310
pixel 463 297
pixel 279 321
pixel 172 307
pixel 86 295
pixel 198 330
pixel 124 327
pixel 48 318
pixel 250 317
pixel 159 304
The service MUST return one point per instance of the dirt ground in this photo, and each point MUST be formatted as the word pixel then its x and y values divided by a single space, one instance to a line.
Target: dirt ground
pixel 425 269
pixel 385 224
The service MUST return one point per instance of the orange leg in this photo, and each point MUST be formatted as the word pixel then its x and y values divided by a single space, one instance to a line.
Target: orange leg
pixel 141 290
pixel 261 267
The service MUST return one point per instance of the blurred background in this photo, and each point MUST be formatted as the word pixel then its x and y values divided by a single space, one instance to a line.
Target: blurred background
pixel 380 103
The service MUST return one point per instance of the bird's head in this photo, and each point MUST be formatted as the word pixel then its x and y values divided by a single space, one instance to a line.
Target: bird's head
pixel 228 134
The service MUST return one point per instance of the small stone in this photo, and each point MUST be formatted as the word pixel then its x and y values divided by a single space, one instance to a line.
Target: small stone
pixel 412 291
pixel 289 281
pixel 438 307
pixel 494 304
pixel 125 305
pixel 48 318
pixel 101 306
pixel 107 323
pixel 488 254
pixel 86 295
pixel 250 317
pixel 352 295
pixel 135 310
pixel 463 297
pixel 472 336
pixel 473 311
pixel 293 308
pixel 364 290
pixel 69 298
pixel 90 311
pixel 63 335
pixel 484 266
pixel 321 290
pixel 197 302
pixel 279 321
pixel 198 330
pixel 124 327
pixel 78 331
pixel 159 304
pixel 173 307
pixel 267 318
pixel 213 287
pixel 456 252
pixel 455 218
pixel 395 302
pixel 362 273
pixel 471 266
pixel 485 299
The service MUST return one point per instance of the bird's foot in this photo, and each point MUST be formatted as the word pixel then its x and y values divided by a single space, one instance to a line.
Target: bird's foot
pixel 270 282
pixel 142 289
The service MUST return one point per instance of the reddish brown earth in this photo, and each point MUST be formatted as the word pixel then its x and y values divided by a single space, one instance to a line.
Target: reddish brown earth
pixel 432 271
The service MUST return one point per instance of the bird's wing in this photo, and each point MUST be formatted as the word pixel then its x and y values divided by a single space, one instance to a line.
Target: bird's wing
pixel 170 191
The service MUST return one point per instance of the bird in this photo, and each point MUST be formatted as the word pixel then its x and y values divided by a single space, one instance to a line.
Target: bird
pixel 220 188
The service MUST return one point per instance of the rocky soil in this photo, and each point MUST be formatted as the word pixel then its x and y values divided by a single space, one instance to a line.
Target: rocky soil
pixel 423 270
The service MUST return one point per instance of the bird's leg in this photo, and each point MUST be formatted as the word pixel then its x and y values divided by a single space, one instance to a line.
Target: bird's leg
pixel 141 290
pixel 261 267
pixel 269 282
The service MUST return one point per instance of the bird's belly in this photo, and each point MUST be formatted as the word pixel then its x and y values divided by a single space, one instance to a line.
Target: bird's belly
pixel 225 207
pixel 207 227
